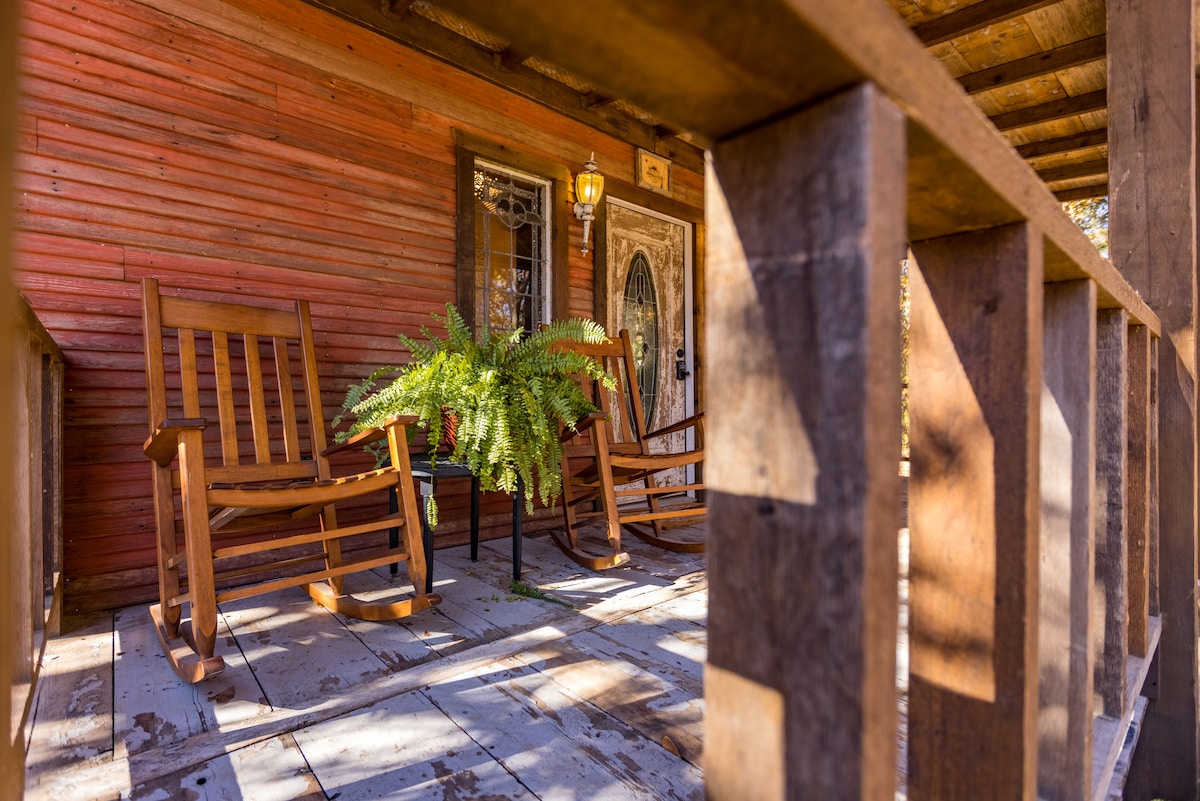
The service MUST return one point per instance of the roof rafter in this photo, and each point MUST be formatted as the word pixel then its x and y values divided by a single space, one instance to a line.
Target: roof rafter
pixel 1056 110
pixel 1024 69
pixel 1067 172
pixel 972 18
pixel 1064 144
pixel 1089 192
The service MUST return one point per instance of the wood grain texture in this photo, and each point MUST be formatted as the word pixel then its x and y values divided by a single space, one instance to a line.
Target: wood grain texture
pixel 1138 517
pixel 1110 610
pixel 805 235
pixel 1152 145
pixel 974 405
pixel 1066 566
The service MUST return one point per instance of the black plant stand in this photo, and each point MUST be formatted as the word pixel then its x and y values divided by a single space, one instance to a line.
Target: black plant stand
pixel 428 475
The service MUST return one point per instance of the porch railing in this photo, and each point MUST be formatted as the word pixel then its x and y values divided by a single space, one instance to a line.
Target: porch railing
pixel 36 566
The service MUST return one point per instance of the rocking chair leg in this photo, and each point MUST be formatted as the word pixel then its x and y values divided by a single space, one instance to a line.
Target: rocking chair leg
pixel 168 576
pixel 181 653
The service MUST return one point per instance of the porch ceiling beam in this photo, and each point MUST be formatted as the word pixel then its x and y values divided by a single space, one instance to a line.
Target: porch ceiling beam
pixel 1089 192
pixel 400 7
pixel 598 99
pixel 1035 66
pixel 1048 112
pixel 1063 144
pixel 973 18
pixel 419 33
pixel 511 58
pixel 1085 169
pixel 739 65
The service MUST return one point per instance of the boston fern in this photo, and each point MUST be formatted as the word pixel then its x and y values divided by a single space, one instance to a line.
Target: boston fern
pixel 510 395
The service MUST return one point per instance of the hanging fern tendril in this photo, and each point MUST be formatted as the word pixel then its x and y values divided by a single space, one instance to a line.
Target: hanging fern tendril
pixel 511 395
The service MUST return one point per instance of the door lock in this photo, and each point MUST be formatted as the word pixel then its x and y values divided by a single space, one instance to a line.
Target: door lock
pixel 681 371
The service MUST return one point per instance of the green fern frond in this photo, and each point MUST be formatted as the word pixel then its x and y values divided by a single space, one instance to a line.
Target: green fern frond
pixel 511 393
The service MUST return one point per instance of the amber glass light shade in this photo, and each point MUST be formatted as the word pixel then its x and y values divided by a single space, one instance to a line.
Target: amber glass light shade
pixel 589 185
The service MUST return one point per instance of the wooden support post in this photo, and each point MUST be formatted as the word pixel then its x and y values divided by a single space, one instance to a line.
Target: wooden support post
pixel 806 234
pixel 1138 489
pixel 12 739
pixel 1110 617
pixel 1152 153
pixel 1067 534
pixel 975 394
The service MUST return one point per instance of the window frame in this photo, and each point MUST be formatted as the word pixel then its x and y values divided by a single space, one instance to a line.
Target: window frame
pixel 471 149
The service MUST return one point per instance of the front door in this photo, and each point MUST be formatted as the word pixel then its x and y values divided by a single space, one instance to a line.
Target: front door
pixel 649 280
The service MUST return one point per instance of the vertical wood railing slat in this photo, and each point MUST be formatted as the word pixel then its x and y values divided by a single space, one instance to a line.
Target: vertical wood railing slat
pixel 1153 532
pixel 1111 605
pixel 802 446
pixel 1138 487
pixel 974 407
pixel 1067 532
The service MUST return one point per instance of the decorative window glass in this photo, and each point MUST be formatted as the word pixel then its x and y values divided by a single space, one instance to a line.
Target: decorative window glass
pixel 511 249
pixel 640 316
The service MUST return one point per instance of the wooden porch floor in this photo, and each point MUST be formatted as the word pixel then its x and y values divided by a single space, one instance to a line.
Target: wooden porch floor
pixel 491 695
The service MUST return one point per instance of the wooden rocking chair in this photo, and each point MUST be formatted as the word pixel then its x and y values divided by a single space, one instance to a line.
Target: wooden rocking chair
pixel 243 382
pixel 615 471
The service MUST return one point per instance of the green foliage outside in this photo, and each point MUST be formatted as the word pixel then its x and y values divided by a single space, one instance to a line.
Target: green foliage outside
pixel 510 394
pixel 1092 216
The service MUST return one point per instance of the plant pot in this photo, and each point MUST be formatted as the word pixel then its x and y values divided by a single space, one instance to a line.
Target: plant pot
pixel 449 427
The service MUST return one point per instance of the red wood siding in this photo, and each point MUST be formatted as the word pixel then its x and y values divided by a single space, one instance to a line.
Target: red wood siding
pixel 260 148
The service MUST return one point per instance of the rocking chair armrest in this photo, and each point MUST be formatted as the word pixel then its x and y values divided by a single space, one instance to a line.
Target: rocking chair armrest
pixel 369 435
pixel 163 444
pixel 583 424
pixel 688 422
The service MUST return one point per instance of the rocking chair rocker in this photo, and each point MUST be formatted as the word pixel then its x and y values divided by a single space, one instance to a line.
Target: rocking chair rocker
pixel 265 469
pixel 617 472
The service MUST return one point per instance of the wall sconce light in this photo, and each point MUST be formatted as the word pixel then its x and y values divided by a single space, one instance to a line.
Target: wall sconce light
pixel 589 185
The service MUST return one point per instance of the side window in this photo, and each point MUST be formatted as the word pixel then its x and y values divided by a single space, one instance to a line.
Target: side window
pixel 512 249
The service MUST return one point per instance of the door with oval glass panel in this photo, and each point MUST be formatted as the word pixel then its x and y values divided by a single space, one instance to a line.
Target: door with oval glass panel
pixel 649 291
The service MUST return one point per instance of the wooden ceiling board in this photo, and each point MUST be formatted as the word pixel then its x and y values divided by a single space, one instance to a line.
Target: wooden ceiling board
pixel 1067 21
pixel 1082 156
pixel 997 44
pixel 1084 78
pixel 1058 129
pixel 949 57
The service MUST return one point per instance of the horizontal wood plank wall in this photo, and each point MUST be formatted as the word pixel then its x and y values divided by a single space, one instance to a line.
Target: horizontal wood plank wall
pixel 264 149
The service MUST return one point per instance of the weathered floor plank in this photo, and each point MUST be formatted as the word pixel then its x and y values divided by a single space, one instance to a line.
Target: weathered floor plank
pixel 73 715
pixel 152 707
pixel 403 748
pixel 289 777
pixel 304 687
pixel 560 745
